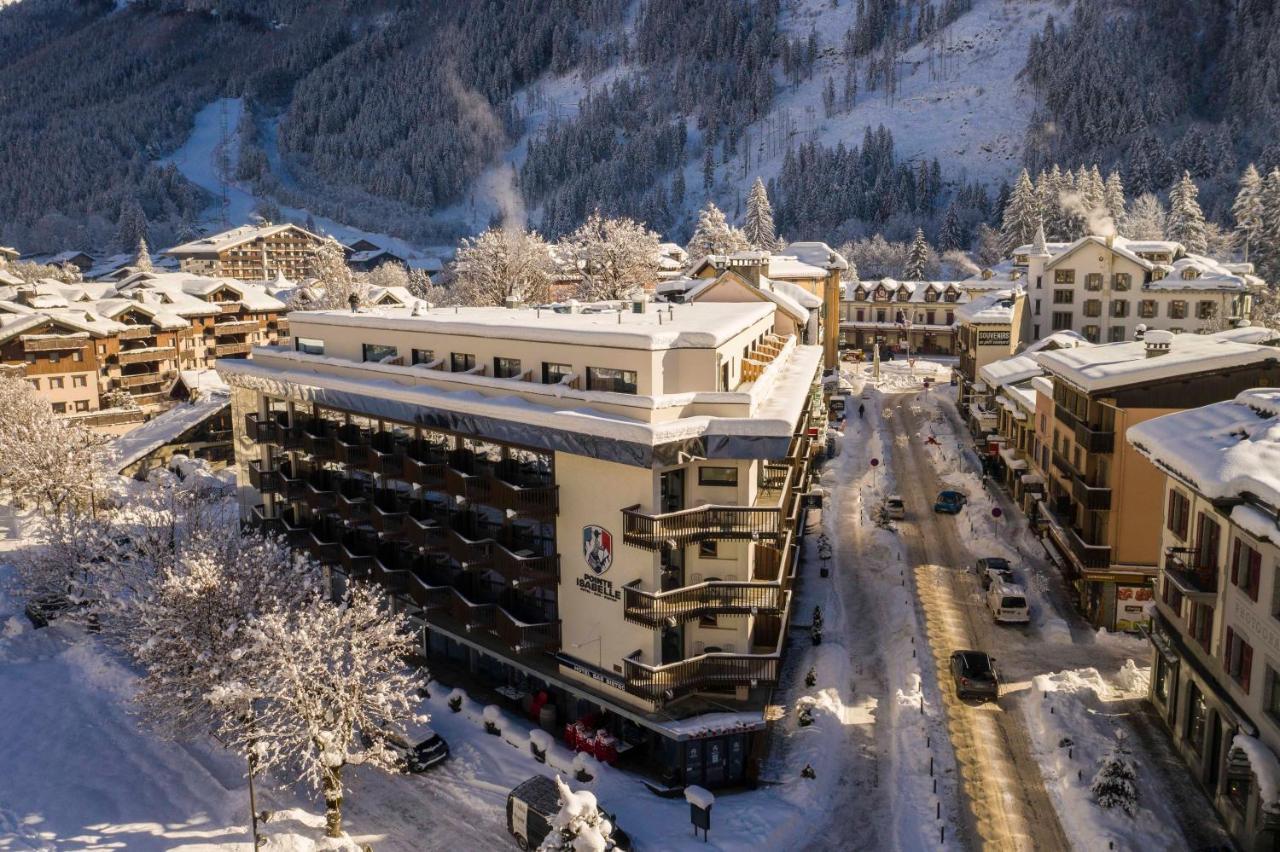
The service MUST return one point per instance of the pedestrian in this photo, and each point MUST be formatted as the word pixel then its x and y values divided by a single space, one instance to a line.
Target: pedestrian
pixel 861 410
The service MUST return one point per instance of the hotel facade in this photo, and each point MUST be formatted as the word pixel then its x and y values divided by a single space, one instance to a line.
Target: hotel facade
pixel 598 508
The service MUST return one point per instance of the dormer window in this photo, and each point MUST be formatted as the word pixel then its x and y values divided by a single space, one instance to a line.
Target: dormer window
pixel 882 295
pixel 860 294
pixel 931 295
pixel 951 295
pixel 904 294
pixel 1190 273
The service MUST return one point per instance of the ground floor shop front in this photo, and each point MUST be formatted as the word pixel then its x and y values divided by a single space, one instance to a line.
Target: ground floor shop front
pixel 897 341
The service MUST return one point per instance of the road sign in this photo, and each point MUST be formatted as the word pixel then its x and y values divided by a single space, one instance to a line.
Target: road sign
pixel 875 462
pixel 996 511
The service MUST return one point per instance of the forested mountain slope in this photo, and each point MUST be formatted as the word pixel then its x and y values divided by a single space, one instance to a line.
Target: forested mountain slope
pixel 429 119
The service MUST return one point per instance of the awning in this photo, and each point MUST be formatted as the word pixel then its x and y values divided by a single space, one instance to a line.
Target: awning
pixel 1032 479
pixel 1011 459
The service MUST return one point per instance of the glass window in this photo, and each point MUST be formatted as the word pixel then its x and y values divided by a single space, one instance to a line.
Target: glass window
pixel 77 355
pixel 460 362
pixel 1061 320
pixel 1064 276
pixel 55 382
pixel 1092 333
pixel 377 352
pixel 1271 701
pixel 308 346
pixel 82 405
pixel 54 357
pixel 1093 281
pixel 1121 281
pixel 1115 334
pixel 1197 713
pixel 1202 624
pixel 1177 309
pixel 423 356
pixel 1120 308
pixel 554 374
pixel 1246 568
pixel 1160 680
pixel 78 381
pixel 506 368
pixel 1207 537
pixel 1206 310
pixel 1178 513
pixel 59 408
pixel 1237 658
pixel 1147 308
pixel 718 476
pixel 1093 307
pixel 1064 297
pixel 609 379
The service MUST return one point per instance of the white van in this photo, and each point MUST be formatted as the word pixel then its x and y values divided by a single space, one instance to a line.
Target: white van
pixel 1008 604
pixel 894 508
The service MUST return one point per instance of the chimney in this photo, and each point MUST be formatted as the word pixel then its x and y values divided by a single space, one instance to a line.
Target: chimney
pixel 1158 342
pixel 749 264
pixel 1111 240
pixel 638 303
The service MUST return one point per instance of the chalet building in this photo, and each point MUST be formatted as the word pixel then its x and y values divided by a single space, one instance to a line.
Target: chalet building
pixel 456 457
pixel 59 357
pixel 905 317
pixel 250 253
pixel 367 260
pixel 1215 633
pixel 1106 288
pixel 1103 526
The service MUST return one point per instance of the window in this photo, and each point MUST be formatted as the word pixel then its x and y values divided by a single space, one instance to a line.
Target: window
pixel 78 381
pixel 1172 597
pixel 861 314
pixel 1206 547
pixel 308 346
pixel 1064 276
pixel 1147 308
pixel 1064 297
pixel 460 362
pixel 1202 624
pixel 709 550
pixel 1092 333
pixel 506 368
pixel 54 357
pixel 31 357
pixel 59 408
pixel 1093 281
pixel 929 317
pixel 55 382
pixel 35 383
pixel 1121 281
pixel 1271 701
pixel 1178 513
pixel 1160 680
pixel 78 355
pixel 1206 310
pixel 1061 320
pixel 951 317
pixel 554 374
pixel 82 405
pixel 1237 658
pixel 609 379
pixel 423 356
pixel 1120 308
pixel 1246 568
pixel 377 352
pixel 880 315
pixel 1037 310
pixel 718 476
pixel 1197 713
pixel 1115 334
pixel 1092 307
pixel 1177 309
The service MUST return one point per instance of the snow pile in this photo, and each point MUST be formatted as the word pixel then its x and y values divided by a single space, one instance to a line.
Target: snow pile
pixel 1266 769
pixel 695 795
pixel 579 826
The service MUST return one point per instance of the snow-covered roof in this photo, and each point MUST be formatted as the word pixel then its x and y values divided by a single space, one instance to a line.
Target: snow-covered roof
pixel 8 278
pixel 1265 767
pixel 699 325
pixel 1113 365
pixel 1223 450
pixel 1058 340
pixel 995 308
pixel 1010 371
pixel 1196 272
pixel 782 266
pixel 217 243
pixel 817 254
pixel 163 429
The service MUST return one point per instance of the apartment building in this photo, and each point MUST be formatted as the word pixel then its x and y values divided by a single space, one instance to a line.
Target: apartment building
pixel 1106 287
pixel 1215 634
pixel 250 253
pixel 598 507
pixel 1103 525
pixel 906 317
pixel 1004 415
pixel 985 332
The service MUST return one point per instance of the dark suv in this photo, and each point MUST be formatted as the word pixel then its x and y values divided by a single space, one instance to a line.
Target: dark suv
pixel 974 675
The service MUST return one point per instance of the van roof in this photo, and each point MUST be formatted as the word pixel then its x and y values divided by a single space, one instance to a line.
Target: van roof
pixel 540 793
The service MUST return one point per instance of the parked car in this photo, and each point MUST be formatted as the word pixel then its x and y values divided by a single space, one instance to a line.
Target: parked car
pixel 974 674
pixel 1008 604
pixel 43 610
pixel 532 804
pixel 895 508
pixel 991 569
pixel 422 749
pixel 950 502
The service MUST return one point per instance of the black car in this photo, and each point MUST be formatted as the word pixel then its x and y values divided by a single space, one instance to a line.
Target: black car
pixel 43 610
pixel 992 568
pixel 423 749
pixel 974 675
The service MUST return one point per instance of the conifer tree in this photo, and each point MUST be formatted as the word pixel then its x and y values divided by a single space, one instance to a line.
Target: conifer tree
pixel 951 237
pixel 142 262
pixel 1021 215
pixel 1113 786
pixel 1247 210
pixel 1185 223
pixel 758 226
pixel 917 257
pixel 1268 251
pixel 1113 198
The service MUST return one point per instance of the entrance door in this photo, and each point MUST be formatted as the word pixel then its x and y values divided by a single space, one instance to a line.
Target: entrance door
pixel 1214 755
pixel 717 759
pixel 672 490
pixel 672 644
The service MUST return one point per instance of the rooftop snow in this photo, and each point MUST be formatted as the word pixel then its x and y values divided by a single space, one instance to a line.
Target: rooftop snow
pixel 1113 365
pixel 1010 371
pixel 163 429
pixel 704 325
pixel 988 309
pixel 215 243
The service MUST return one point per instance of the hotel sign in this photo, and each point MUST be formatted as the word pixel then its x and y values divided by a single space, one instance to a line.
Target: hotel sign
pixel 993 338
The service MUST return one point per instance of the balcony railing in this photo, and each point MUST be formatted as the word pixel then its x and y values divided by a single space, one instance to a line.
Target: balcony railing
pixel 424 525
pixel 424 463
pixel 226 350
pixel 1064 414
pixel 317 437
pixel 138 332
pixel 521 568
pixel 663 683
pixel 387 510
pixel 53 344
pixel 351 445
pixel 1194 575
pixel 149 355
pixel 704 523
pixel 712 598
pixel 142 380
pixel 353 498
pixel 1094 440
pixel 262 477
pixel 472 616
pixel 227 329
pixel 521 636
pixel 1089 556
pixel 386 455
pixel 1062 466
pixel 470 553
pixel 1091 497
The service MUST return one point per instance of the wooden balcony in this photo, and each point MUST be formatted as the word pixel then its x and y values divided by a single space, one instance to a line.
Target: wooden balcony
pixel 230 350
pixel 54 343
pixel 470 553
pixel 472 616
pixel 323 540
pixel 229 329
pixel 317 438
pixel 352 500
pixel 523 637
pixel 142 380
pixel 424 525
pixel 147 355
pixel 426 596
pixel 261 430
pixel 320 492
pixel 228 307
pixel 1091 497
pixel 424 463
pixel 712 598
pixel 663 683
pixel 524 493
pixel 703 523
pixel 1194 576
pixel 385 455
pixel 356 554
pixel 137 332
pixel 263 478
pixel 351 445
pixel 460 480
pixel 387 511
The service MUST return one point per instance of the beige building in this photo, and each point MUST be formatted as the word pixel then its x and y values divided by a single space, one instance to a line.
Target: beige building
pixel 906 317
pixel 1103 524
pixel 596 507
pixel 1216 630
pixel 986 330
pixel 250 253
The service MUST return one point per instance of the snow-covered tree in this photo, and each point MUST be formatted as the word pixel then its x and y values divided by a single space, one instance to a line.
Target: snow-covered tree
pixel 1113 786
pixel 1021 215
pixel 917 257
pixel 616 258
pixel 334 286
pixel 989 248
pixel 501 264
pixel 579 825
pixel 45 461
pixel 1185 223
pixel 951 237
pixel 1145 219
pixel 142 260
pixel 131 226
pixel 335 688
pixel 1268 248
pixel 714 235
pixel 758 227
pixel 1113 198
pixel 1247 209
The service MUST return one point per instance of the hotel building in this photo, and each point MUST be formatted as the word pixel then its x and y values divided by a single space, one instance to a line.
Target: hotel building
pixel 600 506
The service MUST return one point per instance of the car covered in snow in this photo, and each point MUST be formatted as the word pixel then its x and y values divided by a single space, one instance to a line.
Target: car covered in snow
pixel 950 502
pixel 993 569
pixel 43 610
pixel 974 675
pixel 534 803
pixel 420 749
pixel 895 508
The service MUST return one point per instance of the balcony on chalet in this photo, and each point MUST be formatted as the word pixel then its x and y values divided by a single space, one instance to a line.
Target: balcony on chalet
pixel 1194 574
pixel 351 445
pixel 714 669
pixel 1086 555
pixel 424 525
pixel 353 496
pixel 1094 498
pixel 1094 440
pixel 136 332
pixel 387 510
pixel 385 455
pixel 317 437
pixel 132 381
pixel 711 598
pixel 496 623
pixel 232 350
pixel 54 342
pixel 263 477
pixel 425 463
pixel 356 551
pixel 146 355
pixel 232 328
pixel 320 492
